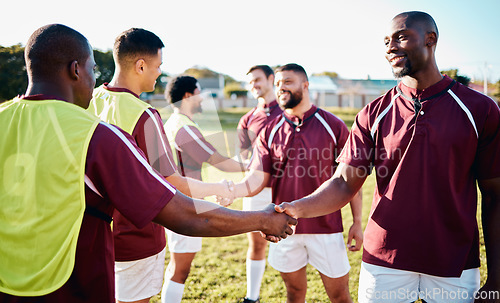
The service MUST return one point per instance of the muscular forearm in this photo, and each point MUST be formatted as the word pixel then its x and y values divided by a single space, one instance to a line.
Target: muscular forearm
pixel 251 184
pixel 332 195
pixel 204 219
pixel 357 207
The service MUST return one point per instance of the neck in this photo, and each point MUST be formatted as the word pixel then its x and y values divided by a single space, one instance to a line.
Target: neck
pixel 122 80
pixel 423 79
pixel 267 98
pixel 50 88
pixel 184 111
pixel 300 109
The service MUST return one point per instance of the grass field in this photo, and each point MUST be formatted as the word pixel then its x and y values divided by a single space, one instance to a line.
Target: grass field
pixel 218 271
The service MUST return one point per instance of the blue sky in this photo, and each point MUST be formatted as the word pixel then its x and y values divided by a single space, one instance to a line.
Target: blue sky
pixel 229 36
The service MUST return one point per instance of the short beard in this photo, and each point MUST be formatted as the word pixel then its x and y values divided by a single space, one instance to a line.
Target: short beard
pixel 405 71
pixel 295 99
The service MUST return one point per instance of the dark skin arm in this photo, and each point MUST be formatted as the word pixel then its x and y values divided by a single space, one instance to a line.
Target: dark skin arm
pixel 200 218
pixel 490 192
pixel 331 196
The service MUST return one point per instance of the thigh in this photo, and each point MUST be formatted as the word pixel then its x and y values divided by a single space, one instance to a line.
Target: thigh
pixel 327 253
pixel 136 280
pixel 288 255
pixel 337 289
pixel 441 289
pixel 382 284
pixel 178 243
pixel 259 201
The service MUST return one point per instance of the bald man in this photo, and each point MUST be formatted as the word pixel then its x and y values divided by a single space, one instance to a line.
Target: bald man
pixel 64 173
pixel 429 139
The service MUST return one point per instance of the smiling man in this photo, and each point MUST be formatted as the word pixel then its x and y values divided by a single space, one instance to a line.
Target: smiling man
pixel 433 139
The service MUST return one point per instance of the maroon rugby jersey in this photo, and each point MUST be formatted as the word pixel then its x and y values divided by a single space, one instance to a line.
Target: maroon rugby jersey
pixel 423 215
pixel 118 180
pixel 300 156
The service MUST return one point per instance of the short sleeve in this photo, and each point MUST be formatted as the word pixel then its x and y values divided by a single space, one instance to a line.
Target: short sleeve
pixel 190 140
pixel 118 170
pixel 359 146
pixel 261 155
pixel 150 136
pixel 487 160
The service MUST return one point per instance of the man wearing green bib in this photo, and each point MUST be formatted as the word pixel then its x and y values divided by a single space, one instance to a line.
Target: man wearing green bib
pixel 63 174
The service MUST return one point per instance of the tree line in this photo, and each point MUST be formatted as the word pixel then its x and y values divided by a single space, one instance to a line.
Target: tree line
pixel 14 80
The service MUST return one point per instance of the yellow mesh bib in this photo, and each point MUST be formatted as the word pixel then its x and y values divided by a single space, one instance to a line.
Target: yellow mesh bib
pixel 43 150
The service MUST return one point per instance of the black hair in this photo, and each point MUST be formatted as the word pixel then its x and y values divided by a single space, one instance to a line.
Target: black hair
pixel 265 68
pixel 178 86
pixel 422 18
pixel 52 48
pixel 135 42
pixel 293 67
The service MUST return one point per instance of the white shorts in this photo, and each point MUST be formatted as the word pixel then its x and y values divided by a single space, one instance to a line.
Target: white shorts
pixel 259 201
pixel 178 243
pixel 140 279
pixel 382 284
pixel 326 252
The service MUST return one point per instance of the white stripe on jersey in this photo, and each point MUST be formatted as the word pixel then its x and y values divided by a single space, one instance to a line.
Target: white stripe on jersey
pixel 91 185
pixel 465 109
pixel 195 137
pixel 152 116
pixel 273 132
pixel 328 128
pixel 139 157
pixel 377 120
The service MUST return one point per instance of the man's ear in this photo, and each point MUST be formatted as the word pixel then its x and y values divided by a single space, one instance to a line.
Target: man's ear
pixel 74 70
pixel 187 95
pixel 139 66
pixel 431 39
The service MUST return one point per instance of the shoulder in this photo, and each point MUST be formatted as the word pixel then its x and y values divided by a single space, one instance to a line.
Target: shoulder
pixel 244 119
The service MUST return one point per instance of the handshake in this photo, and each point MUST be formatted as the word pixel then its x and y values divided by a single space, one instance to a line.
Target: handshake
pixel 225 196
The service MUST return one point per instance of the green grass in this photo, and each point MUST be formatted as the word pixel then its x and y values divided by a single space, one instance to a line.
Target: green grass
pixel 218 270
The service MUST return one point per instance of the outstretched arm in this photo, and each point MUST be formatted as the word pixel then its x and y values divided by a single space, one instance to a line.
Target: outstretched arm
pixel 490 191
pixel 331 196
pixel 225 164
pixel 198 189
pixel 199 218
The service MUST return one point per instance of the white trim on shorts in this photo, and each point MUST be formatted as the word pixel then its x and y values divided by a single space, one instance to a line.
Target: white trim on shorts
pixel 259 201
pixel 139 279
pixel 325 252
pixel 383 284
pixel 178 243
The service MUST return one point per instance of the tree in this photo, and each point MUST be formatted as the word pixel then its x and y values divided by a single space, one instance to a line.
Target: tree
pixel 13 74
pixel 496 94
pixel 105 66
pixel 236 89
pixel 453 73
pixel 203 72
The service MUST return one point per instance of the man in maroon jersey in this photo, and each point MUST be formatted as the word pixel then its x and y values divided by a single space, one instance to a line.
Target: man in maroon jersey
pixel 140 253
pixel 429 139
pixel 261 81
pixel 60 67
pixel 297 151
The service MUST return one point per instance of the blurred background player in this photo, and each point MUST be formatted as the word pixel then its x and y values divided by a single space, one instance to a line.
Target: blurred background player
pixel 298 151
pixel 192 150
pixel 261 81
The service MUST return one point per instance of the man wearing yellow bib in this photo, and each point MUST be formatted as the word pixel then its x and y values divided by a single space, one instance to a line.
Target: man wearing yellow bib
pixel 63 174
pixel 140 253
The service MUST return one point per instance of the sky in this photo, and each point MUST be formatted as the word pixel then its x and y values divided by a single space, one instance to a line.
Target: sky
pixel 229 36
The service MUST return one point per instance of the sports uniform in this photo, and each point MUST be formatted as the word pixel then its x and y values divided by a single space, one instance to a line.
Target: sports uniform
pixel 249 127
pixel 300 156
pixel 428 149
pixel 115 174
pixel 192 150
pixel 123 108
